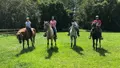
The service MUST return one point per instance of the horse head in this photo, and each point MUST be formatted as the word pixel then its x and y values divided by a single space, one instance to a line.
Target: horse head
pixel 19 37
pixel 74 25
pixel 46 25
pixel 73 30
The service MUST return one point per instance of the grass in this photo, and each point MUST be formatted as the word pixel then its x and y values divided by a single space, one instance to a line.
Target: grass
pixel 62 56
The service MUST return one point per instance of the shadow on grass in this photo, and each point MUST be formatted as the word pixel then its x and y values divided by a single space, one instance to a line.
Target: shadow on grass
pixel 102 51
pixel 78 49
pixel 25 50
pixel 50 52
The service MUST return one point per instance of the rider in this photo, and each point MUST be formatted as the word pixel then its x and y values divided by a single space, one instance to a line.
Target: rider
pixel 53 25
pixel 98 24
pixel 28 26
pixel 77 27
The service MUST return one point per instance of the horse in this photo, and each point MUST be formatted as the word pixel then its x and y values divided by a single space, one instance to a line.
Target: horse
pixel 73 34
pixel 23 35
pixel 49 34
pixel 96 36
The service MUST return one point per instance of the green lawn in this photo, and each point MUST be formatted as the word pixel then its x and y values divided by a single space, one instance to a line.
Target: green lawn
pixel 62 56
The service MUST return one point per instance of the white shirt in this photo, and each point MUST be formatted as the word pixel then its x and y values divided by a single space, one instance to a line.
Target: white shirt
pixel 28 24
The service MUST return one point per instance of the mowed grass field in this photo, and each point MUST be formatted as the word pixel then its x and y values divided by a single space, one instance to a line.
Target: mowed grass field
pixel 62 56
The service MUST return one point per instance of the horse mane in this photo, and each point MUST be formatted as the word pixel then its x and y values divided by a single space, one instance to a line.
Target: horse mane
pixel 46 25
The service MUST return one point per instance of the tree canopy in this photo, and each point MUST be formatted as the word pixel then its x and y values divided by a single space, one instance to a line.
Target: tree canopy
pixel 13 13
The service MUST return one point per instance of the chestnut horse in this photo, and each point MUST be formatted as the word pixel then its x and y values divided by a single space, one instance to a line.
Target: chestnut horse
pixel 23 35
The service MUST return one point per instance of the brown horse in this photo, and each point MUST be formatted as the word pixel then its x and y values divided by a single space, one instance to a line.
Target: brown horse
pixel 96 37
pixel 23 35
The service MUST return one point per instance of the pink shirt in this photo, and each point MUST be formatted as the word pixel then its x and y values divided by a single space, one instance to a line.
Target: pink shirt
pixel 53 23
pixel 98 22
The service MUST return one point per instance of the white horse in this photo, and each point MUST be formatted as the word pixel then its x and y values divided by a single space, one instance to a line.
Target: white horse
pixel 49 33
pixel 73 34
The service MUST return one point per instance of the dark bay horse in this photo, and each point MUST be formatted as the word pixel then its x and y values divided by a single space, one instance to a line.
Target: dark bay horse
pixel 96 36
pixel 49 33
pixel 23 35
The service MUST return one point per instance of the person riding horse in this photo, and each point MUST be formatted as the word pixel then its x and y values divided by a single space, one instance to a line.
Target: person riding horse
pixel 77 27
pixel 53 25
pixel 28 26
pixel 96 24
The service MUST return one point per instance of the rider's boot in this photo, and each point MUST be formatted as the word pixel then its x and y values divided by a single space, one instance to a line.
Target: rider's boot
pixel 101 36
pixel 68 33
pixel 56 35
pixel 78 32
pixel 45 34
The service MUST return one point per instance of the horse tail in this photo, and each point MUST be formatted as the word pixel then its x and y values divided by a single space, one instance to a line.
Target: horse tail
pixel 34 31
pixel 34 34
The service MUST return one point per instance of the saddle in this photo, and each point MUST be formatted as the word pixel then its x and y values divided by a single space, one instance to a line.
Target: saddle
pixel 29 30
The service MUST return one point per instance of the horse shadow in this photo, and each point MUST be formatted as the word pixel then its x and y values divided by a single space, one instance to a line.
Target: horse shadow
pixel 25 50
pixel 78 49
pixel 50 52
pixel 102 51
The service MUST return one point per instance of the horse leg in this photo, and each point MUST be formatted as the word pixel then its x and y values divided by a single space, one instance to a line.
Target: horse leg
pixel 51 43
pixel 55 41
pixel 93 43
pixel 23 44
pixel 74 41
pixel 28 43
pixel 71 42
pixel 47 43
pixel 100 43
pixel 96 43
pixel 32 42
